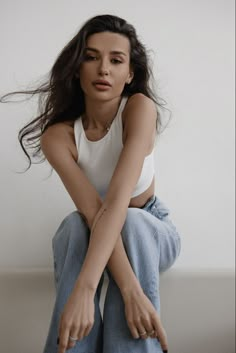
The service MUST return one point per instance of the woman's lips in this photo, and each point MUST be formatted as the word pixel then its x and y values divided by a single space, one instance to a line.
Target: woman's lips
pixel 102 86
pixel 102 82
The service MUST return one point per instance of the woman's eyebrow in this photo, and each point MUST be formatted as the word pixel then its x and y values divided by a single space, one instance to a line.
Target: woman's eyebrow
pixel 114 52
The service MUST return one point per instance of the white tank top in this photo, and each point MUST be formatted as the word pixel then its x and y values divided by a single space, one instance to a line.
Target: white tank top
pixel 98 159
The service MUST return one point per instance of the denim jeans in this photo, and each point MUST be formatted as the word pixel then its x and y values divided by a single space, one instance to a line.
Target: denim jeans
pixel 152 244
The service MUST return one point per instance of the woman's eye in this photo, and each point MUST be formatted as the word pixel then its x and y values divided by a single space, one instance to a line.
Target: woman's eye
pixel 90 57
pixel 116 61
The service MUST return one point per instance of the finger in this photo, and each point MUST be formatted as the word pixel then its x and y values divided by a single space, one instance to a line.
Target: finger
pixel 142 332
pixel 73 337
pixel 161 333
pixel 149 328
pixel 152 333
pixel 87 330
pixel 63 340
pixel 133 330
pixel 163 340
pixel 143 335
pixel 81 334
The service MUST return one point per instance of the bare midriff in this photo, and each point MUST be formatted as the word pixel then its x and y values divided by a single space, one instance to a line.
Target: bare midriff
pixel 140 200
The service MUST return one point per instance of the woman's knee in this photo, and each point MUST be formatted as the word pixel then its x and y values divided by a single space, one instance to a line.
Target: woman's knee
pixel 146 233
pixel 138 225
pixel 72 231
pixel 170 248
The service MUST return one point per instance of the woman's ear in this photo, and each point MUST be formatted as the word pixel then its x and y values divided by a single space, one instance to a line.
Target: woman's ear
pixel 130 78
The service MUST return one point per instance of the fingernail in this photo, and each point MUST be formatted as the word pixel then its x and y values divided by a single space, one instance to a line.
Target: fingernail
pixel 58 340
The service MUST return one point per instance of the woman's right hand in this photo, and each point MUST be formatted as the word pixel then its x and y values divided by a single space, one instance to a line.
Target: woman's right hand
pixel 143 319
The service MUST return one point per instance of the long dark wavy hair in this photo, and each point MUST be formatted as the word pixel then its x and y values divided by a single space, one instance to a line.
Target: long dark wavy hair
pixel 61 97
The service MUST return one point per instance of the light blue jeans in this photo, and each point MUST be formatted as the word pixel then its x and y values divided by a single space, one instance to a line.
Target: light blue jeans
pixel 152 244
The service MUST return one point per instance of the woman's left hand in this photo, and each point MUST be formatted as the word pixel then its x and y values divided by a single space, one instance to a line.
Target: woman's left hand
pixel 77 318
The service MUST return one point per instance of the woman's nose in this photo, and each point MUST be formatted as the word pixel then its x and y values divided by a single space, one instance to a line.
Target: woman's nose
pixel 104 68
pixel 104 72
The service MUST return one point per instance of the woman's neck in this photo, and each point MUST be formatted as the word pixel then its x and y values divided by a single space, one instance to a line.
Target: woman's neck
pixel 100 114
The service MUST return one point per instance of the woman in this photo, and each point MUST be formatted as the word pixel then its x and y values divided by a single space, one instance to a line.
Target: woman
pixel 97 130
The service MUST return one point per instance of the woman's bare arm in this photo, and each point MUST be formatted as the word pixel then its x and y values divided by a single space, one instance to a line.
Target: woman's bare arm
pixel 56 145
pixel 105 219
pixel 120 268
pixel 140 117
pixel 105 245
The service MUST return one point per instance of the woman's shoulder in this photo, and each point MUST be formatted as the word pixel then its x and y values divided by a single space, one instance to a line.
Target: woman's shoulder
pixel 139 98
pixel 60 131
pixel 59 136
pixel 139 118
pixel 139 104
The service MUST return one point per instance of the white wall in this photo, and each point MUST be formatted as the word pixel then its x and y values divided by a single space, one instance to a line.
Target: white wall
pixel 193 46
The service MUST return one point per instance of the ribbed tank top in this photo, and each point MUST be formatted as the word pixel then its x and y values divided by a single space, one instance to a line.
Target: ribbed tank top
pixel 98 159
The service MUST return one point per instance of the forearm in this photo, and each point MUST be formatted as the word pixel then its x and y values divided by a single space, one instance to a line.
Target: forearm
pixel 118 263
pixel 121 270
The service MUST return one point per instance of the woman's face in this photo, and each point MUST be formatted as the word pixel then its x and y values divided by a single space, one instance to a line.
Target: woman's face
pixel 106 66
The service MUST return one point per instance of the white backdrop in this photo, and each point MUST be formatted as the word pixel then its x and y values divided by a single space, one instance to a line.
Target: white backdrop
pixel 193 52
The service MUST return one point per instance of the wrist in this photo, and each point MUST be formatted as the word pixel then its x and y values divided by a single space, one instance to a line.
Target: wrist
pixel 130 290
pixel 85 286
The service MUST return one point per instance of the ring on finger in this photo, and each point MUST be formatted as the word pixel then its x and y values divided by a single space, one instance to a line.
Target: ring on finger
pixel 73 339
pixel 143 333
pixel 151 333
